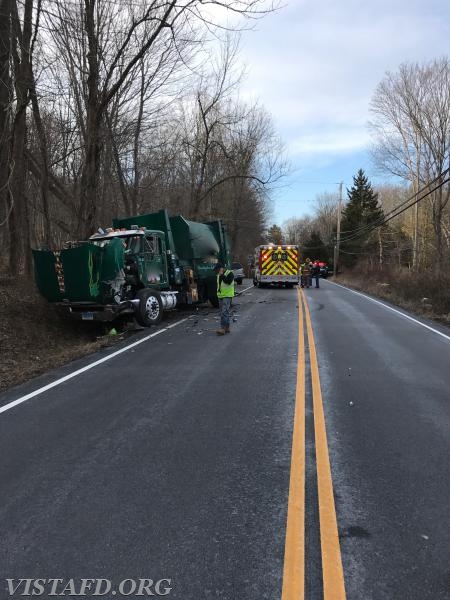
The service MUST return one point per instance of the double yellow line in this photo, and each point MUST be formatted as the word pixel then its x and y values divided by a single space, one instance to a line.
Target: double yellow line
pixel 294 559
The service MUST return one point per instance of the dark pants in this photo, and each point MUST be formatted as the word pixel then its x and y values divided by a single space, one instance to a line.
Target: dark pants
pixel 317 277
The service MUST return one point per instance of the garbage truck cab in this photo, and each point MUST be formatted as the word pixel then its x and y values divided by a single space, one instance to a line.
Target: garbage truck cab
pixel 134 269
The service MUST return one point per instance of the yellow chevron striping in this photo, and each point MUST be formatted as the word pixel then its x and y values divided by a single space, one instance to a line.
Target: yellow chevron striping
pixel 278 266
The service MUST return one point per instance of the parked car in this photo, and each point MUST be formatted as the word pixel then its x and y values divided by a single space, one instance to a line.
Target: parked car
pixel 238 272
pixel 323 270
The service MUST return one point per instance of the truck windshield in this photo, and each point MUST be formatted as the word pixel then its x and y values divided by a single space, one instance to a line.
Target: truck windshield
pixel 133 244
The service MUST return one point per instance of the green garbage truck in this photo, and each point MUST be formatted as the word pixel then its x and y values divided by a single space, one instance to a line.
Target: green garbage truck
pixel 142 266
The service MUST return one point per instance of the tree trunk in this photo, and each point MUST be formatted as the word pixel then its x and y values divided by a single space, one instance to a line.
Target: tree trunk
pixel 137 136
pixel 44 174
pixel 437 226
pixel 93 144
pixel 380 248
pixel 16 189
pixel 119 169
pixel 5 97
pixel 5 119
pixel 90 180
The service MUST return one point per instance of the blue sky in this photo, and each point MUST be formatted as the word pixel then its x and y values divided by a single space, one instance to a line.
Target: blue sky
pixel 314 65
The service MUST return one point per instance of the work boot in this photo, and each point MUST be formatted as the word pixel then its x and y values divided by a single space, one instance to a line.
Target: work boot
pixel 220 332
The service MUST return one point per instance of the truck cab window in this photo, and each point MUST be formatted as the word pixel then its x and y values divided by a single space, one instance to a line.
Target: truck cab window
pixel 150 245
pixel 154 243
pixel 133 245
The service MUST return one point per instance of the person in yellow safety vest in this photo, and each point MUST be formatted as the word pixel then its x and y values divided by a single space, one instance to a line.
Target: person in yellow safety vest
pixel 225 293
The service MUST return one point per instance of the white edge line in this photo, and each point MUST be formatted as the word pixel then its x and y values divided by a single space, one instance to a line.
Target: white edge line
pixel 250 287
pixel 398 312
pixel 86 368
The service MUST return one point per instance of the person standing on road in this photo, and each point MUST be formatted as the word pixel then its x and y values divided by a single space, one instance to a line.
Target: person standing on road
pixel 225 293
pixel 305 273
pixel 315 272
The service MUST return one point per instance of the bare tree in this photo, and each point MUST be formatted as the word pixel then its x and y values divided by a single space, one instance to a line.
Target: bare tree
pixel 92 124
pixel 297 230
pixel 110 48
pixel 5 108
pixel 22 31
pixel 326 208
pixel 411 127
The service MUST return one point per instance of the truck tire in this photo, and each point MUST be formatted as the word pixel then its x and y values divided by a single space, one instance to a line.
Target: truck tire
pixel 150 309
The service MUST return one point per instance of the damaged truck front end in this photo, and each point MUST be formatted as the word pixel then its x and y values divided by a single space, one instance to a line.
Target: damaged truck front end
pixel 143 266
pixel 105 277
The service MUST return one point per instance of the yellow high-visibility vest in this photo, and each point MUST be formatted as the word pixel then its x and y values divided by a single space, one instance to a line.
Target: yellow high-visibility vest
pixel 225 290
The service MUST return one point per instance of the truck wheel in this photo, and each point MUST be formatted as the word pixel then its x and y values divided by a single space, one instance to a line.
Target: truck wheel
pixel 150 309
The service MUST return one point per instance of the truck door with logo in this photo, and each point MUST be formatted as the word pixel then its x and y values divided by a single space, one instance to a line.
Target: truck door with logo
pixel 155 261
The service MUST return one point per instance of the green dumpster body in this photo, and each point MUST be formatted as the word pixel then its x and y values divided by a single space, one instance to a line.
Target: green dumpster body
pixel 86 273
pixel 45 274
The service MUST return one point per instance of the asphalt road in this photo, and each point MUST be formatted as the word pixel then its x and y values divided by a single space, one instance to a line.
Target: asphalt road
pixel 172 459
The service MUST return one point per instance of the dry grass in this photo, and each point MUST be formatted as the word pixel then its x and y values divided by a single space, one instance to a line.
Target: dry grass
pixel 34 338
pixel 425 294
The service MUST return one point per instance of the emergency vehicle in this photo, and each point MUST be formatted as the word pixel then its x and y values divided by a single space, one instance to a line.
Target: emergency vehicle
pixel 277 265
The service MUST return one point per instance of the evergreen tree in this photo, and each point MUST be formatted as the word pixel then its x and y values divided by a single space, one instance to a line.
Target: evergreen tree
pixel 275 235
pixel 315 249
pixel 359 219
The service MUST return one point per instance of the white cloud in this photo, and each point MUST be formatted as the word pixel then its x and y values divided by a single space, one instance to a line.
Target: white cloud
pixel 316 63
pixel 329 143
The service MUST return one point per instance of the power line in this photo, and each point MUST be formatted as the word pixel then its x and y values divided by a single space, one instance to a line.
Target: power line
pixel 383 217
pixel 395 212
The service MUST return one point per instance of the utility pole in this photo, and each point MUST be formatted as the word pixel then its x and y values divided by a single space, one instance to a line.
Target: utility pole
pixel 338 232
pixel 415 235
